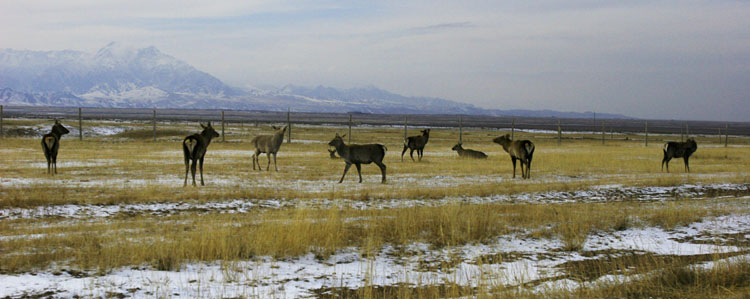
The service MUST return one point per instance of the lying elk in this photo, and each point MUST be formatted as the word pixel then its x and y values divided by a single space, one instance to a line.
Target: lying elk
pixel 268 144
pixel 679 150
pixel 416 143
pixel 522 150
pixel 194 147
pixel 51 143
pixel 358 154
pixel 468 153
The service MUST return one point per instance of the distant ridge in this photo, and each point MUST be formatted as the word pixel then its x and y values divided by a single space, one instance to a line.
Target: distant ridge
pixel 125 77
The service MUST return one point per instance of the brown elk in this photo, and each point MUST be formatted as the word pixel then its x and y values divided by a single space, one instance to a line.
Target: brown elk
pixel 522 150
pixel 358 154
pixel 679 150
pixel 268 144
pixel 416 143
pixel 468 153
pixel 51 144
pixel 194 147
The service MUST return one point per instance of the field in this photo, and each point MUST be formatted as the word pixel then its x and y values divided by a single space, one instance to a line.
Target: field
pixel 594 220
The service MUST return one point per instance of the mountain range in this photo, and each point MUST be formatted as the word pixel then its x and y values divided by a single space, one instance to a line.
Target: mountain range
pixel 125 77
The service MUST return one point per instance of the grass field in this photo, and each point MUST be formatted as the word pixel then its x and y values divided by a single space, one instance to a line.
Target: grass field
pixel 595 220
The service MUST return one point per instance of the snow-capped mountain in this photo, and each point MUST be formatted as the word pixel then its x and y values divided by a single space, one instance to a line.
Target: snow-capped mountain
pixel 126 77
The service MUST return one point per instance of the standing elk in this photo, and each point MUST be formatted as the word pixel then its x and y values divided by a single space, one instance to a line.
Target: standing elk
pixel 468 153
pixel 268 144
pixel 358 154
pixel 522 150
pixel 194 147
pixel 51 144
pixel 679 150
pixel 416 143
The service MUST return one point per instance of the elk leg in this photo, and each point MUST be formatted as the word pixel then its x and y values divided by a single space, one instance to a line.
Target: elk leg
pixel 201 166
pixel 420 152
pixel 255 155
pixel 382 170
pixel 514 166
pixel 666 160
pixel 187 166
pixel 274 162
pixel 411 154
pixel 528 169
pixel 345 170
pixel 687 164
pixel 268 155
pixel 402 153
pixel 192 169
pixel 359 171
pixel 54 163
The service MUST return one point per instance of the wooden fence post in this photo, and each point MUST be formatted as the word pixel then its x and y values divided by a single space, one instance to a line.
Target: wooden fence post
pixel 222 125
pixel 406 123
pixel 80 125
pixel 719 135
pixel 602 132
pixel 153 120
pixel 289 125
pixel 726 137
pixel 646 133
pixel 687 131
pixel 559 133
pixel 460 130
pixel 513 129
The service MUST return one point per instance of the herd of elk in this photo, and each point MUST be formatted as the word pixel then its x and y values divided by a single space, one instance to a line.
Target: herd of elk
pixel 268 144
pixel 194 148
pixel 358 154
pixel 679 150
pixel 522 150
pixel 416 143
pixel 51 144
pixel 468 153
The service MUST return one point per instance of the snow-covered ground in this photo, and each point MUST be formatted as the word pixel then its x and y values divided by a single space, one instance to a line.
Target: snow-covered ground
pixel 265 277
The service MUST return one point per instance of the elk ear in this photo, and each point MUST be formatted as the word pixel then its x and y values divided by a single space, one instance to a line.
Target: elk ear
pixel 209 124
pixel 274 127
pixel 202 126
pixel 342 136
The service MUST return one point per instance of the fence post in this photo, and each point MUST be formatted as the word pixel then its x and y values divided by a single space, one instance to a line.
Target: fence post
pixel 80 125
pixel 687 131
pixel 719 135
pixel 1 122
pixel 602 132
pixel 460 130
pixel 406 123
pixel 222 125
pixel 726 137
pixel 153 120
pixel 559 133
pixel 513 129
pixel 646 133
pixel 682 135
pixel 289 125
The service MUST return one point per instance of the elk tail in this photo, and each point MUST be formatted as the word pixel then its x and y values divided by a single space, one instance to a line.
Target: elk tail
pixel 49 142
pixel 385 149
pixel 189 145
pixel 529 148
pixel 666 145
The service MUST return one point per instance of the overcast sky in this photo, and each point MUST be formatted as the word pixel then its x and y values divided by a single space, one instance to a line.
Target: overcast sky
pixel 649 59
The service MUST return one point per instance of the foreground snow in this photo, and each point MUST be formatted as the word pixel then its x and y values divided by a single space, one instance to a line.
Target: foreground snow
pixel 298 277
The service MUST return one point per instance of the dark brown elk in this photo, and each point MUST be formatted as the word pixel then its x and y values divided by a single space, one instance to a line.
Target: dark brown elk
pixel 522 150
pixel 468 153
pixel 268 144
pixel 358 154
pixel 416 143
pixel 51 144
pixel 679 150
pixel 194 147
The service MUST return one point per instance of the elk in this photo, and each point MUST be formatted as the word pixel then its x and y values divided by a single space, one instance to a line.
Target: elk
pixel 522 150
pixel 268 144
pixel 51 144
pixel 679 150
pixel 194 147
pixel 358 154
pixel 468 153
pixel 416 143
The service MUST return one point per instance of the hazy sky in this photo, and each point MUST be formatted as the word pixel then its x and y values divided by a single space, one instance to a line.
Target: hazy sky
pixel 651 59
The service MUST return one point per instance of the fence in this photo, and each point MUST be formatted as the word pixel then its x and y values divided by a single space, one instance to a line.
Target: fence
pixel 566 129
